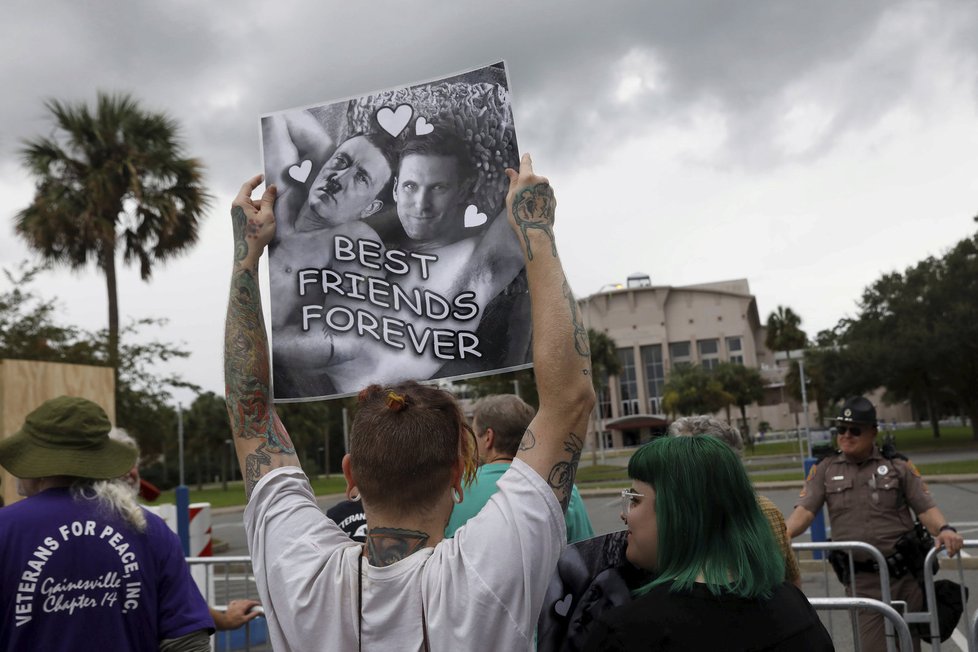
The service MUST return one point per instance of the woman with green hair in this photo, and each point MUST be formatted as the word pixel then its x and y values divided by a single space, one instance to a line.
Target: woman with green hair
pixel 693 519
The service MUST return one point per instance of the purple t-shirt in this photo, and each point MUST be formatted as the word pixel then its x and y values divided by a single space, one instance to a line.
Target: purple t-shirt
pixel 75 578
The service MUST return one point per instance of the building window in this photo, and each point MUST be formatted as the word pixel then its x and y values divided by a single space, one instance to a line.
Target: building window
pixel 655 376
pixel 679 353
pixel 627 383
pixel 709 352
pixel 735 350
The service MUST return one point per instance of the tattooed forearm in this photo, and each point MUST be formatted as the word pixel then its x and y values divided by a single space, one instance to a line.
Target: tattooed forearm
pixel 239 223
pixel 253 468
pixel 246 366
pixel 388 545
pixel 581 342
pixel 562 474
pixel 529 440
pixel 533 208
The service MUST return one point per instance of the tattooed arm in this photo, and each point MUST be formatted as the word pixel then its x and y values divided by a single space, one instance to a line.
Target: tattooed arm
pixel 562 360
pixel 259 437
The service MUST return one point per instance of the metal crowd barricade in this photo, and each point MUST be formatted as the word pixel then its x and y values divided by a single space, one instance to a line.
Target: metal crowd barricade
pixel 850 546
pixel 973 633
pixel 929 617
pixel 235 582
pixel 892 616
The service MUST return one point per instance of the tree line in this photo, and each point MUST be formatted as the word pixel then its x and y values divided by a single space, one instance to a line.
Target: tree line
pixel 915 334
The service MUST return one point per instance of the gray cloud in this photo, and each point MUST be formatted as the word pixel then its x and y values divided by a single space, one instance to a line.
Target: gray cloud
pixel 217 66
pixel 193 59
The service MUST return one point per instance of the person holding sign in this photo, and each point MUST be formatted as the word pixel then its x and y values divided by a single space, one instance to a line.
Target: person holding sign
pixel 410 456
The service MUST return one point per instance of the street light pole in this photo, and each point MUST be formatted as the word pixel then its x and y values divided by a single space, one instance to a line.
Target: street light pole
pixel 804 403
pixel 227 465
pixel 182 494
pixel 180 439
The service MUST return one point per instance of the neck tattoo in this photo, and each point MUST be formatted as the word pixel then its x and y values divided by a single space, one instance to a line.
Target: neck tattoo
pixel 389 545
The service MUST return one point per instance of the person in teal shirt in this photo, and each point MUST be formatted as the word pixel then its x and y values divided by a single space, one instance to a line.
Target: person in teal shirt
pixel 499 423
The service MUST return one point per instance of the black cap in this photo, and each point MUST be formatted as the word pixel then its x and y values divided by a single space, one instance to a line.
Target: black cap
pixel 857 410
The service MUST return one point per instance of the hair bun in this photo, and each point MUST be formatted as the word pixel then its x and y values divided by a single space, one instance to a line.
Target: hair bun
pixel 368 393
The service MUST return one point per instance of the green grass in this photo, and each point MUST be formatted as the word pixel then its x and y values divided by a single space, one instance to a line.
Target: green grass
pixel 942 468
pixel 235 494
pixel 617 476
pixel 778 477
pixel 774 448
pixel 913 440
pixel 601 473
pixel 753 468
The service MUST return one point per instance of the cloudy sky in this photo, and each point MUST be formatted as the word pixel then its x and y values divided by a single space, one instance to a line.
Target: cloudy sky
pixel 807 147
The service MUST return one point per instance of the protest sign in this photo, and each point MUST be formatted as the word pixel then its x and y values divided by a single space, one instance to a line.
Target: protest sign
pixel 393 258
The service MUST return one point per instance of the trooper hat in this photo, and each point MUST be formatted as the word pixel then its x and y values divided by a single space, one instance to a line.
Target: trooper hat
pixel 66 436
pixel 857 410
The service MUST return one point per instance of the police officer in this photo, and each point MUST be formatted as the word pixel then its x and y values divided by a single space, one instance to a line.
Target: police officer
pixel 868 496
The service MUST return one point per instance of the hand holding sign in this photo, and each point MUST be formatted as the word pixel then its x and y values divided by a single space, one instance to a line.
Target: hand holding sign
pixel 530 204
pixel 253 222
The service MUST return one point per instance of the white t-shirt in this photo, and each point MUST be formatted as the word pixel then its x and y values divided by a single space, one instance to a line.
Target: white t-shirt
pixel 482 590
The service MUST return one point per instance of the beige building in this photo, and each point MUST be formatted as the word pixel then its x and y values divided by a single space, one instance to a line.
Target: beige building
pixel 658 327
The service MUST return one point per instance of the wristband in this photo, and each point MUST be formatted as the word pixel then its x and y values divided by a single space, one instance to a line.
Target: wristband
pixel 946 527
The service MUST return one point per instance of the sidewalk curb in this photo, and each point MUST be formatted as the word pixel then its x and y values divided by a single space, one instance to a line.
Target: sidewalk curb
pixel 607 491
pixel 951 478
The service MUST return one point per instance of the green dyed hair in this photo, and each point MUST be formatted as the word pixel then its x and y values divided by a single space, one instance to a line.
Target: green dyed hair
pixel 708 518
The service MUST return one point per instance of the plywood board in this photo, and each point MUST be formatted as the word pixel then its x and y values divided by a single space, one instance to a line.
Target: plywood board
pixel 25 384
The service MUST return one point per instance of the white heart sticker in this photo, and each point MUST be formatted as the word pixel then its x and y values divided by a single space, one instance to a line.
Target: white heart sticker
pixel 393 121
pixel 473 217
pixel 301 172
pixel 422 127
pixel 562 607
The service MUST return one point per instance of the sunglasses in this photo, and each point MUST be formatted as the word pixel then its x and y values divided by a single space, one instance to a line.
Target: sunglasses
pixel 855 431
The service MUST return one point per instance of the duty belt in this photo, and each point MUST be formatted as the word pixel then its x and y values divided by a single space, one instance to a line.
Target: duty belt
pixel 868 566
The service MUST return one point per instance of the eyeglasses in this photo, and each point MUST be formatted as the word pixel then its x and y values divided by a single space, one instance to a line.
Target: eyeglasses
pixel 628 500
pixel 855 431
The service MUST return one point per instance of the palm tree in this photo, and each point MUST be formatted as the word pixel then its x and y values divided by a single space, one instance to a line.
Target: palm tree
pixel 604 358
pixel 604 363
pixel 784 331
pixel 691 389
pixel 115 178
pixel 744 385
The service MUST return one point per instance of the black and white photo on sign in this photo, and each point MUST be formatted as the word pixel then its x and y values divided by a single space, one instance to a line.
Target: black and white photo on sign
pixel 393 258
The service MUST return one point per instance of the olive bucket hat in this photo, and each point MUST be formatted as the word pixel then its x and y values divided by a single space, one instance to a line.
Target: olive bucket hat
pixel 66 436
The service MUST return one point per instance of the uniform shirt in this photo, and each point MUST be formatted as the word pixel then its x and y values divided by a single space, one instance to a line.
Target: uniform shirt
pixel 867 501
pixel 75 578
pixel 481 590
pixel 484 486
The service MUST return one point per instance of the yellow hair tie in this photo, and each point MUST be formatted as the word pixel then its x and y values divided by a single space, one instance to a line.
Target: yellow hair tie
pixel 395 402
